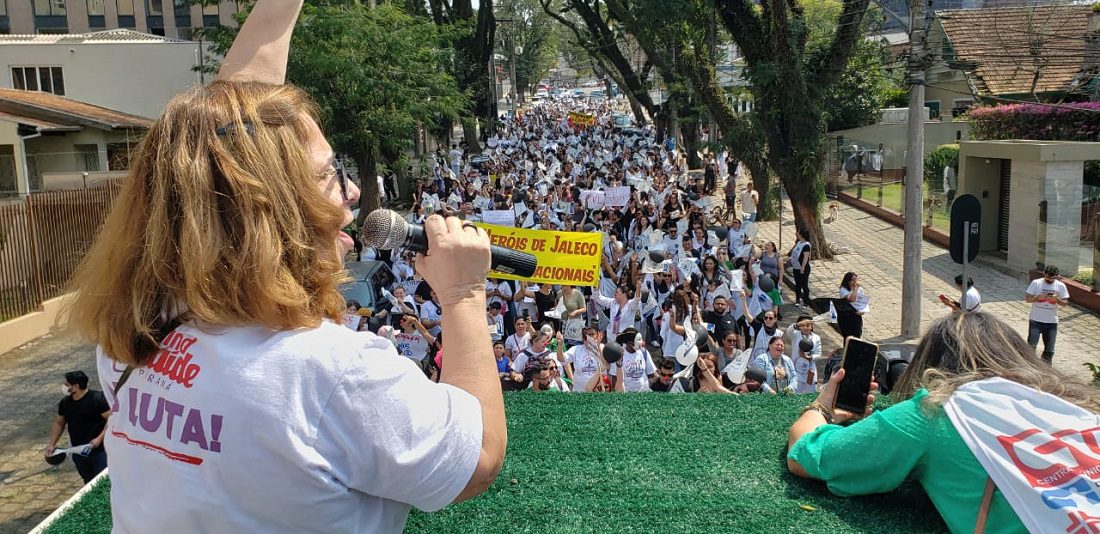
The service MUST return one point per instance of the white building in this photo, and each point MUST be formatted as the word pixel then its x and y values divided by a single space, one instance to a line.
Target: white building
pixel 123 70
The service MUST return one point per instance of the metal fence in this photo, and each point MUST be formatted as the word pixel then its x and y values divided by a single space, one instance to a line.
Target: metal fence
pixel 43 237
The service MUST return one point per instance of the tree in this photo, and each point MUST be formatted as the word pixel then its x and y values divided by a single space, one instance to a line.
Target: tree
pixel 532 33
pixel 375 73
pixel 790 81
pixel 864 88
pixel 591 25
pixel 472 35
pixel 680 38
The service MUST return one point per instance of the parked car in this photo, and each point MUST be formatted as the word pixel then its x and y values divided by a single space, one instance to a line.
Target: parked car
pixel 598 95
pixel 578 93
pixel 368 279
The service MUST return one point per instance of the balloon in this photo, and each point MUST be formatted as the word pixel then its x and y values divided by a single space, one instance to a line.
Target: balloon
pixel 612 352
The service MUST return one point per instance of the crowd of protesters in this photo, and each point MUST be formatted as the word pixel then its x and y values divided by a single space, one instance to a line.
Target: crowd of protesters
pixel 672 261
pixel 676 267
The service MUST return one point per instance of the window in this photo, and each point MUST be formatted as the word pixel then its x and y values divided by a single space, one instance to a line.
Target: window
pixel 87 157
pixel 184 33
pixel 933 108
pixel 125 8
pixel 155 9
pixel 49 8
pixel 45 79
pixel 3 8
pixel 95 8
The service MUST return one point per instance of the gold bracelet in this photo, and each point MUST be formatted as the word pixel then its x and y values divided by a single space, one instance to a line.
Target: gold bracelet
pixel 816 406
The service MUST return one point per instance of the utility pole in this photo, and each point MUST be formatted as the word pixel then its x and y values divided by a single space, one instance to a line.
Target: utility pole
pixel 914 176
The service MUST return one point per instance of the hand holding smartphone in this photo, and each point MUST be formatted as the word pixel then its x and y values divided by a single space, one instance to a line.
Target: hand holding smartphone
pixel 859 369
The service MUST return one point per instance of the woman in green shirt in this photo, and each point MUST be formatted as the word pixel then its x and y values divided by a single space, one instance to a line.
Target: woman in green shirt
pixel 914 437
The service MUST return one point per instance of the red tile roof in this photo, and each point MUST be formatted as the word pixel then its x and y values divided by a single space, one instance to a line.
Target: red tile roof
pixel 56 110
pixel 1022 50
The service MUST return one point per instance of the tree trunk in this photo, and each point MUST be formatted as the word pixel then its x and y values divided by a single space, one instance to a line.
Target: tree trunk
pixel 470 134
pixel 637 110
pixel 370 198
pixel 808 216
pixel 689 132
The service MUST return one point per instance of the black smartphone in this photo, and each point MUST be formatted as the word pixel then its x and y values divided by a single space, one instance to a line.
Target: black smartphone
pixel 859 367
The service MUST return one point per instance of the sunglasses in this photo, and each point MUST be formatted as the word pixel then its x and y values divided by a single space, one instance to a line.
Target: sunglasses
pixel 667 375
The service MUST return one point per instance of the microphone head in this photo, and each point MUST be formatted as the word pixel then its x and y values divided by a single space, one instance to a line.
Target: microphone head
pixel 384 229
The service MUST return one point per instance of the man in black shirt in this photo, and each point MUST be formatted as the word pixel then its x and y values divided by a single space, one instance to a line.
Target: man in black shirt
pixel 84 411
pixel 721 318
pixel 663 381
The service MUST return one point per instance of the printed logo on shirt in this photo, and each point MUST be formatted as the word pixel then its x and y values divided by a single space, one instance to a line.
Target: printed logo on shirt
pixel 173 362
pixel 179 424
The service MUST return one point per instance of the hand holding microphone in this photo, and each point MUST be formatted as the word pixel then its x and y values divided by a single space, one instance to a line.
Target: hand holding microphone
pixel 387 230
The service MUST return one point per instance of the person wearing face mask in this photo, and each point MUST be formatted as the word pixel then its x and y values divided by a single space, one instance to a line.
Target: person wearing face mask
pixel 586 361
pixel 84 412
pixel 637 364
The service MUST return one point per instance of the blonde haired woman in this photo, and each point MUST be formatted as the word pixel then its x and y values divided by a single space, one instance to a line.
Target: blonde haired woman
pixel 915 437
pixel 250 408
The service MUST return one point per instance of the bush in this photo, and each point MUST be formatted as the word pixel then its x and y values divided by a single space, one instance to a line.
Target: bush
pixel 1065 122
pixel 935 162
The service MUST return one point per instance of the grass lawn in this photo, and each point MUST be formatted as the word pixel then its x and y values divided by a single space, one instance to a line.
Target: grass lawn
pixel 643 463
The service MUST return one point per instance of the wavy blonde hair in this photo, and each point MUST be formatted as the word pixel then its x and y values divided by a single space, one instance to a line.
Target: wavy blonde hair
pixel 968 346
pixel 221 212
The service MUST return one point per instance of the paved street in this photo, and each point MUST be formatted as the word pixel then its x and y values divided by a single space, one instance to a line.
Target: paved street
pixel 876 256
pixel 30 388
pixel 30 376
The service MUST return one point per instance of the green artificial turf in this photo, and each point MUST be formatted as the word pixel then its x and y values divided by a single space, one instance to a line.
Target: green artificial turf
pixel 644 463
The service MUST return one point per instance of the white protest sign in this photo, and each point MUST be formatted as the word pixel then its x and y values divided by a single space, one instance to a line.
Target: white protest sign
pixel 617 196
pixel 592 199
pixel 499 217
pixel 482 203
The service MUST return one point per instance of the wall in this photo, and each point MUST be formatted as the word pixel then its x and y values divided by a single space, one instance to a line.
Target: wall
pixel 136 78
pixel 16 332
pixel 895 138
pixel 1023 224
pixel 981 177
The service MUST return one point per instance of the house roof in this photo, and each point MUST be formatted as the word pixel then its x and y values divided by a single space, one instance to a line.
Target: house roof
pixel 49 112
pixel 1021 50
pixel 116 36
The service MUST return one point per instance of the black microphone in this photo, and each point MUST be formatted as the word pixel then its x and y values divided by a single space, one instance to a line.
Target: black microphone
pixel 387 230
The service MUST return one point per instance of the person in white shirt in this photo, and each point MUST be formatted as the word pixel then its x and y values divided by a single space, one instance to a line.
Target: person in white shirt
pixel 518 341
pixel 586 361
pixel 973 298
pixel 247 390
pixel 624 307
pixel 850 321
pixel 1045 295
pixel 805 352
pixel 636 363
pixel 749 199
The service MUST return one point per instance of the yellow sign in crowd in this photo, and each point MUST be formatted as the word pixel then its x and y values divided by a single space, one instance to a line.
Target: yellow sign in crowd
pixel 582 119
pixel 565 258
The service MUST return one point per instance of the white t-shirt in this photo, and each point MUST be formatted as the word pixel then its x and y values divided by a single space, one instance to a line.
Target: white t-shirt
pixel 973 300
pixel 862 304
pixel 515 343
pixel 1045 311
pixel 429 311
pixel 637 366
pixel 320 430
pixel 585 366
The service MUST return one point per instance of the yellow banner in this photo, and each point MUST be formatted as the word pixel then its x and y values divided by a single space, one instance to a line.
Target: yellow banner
pixel 582 119
pixel 566 258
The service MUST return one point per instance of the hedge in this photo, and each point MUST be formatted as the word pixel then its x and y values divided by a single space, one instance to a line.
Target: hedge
pixel 1077 121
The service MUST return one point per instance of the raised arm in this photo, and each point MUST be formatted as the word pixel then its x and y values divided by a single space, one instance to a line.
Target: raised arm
pixel 259 53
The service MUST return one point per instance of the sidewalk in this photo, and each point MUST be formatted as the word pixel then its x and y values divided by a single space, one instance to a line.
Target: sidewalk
pixel 877 257
pixel 30 388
